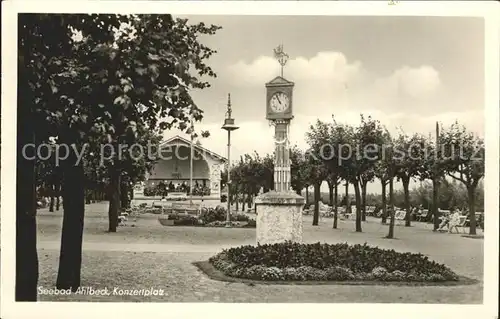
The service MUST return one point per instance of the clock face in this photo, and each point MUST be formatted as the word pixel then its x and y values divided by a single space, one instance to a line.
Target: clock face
pixel 279 102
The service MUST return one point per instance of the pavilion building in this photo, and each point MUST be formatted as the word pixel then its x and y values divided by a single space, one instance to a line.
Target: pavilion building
pixel 171 174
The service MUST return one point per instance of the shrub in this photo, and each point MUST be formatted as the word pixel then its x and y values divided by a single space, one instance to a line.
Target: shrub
pixel 329 262
pixel 173 217
pixel 396 276
pixel 186 221
pixel 240 217
pixel 379 272
pixel 211 214
pixel 251 224
pixel 183 220
pixel 339 273
pixel 218 223
pixel 272 273
pixel 219 213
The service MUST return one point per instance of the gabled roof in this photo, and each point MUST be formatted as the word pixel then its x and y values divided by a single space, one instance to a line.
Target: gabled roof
pixel 187 142
pixel 279 81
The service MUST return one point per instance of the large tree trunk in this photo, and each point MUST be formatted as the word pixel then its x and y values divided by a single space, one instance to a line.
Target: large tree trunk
pixel 435 206
pixel 335 208
pixel 363 201
pixel 317 197
pixel 70 258
pixel 26 248
pixel 406 189
pixel 330 193
pixel 250 201
pixel 87 197
pixel 391 205
pixel 114 199
pixel 347 200
pixel 357 192
pixel 58 195
pixel 51 205
pixel 471 191
pixel 384 203
pixel 243 202
pixel 307 195
pixel 124 192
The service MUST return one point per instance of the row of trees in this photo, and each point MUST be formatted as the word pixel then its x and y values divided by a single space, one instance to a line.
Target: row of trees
pixel 85 81
pixel 452 194
pixel 343 155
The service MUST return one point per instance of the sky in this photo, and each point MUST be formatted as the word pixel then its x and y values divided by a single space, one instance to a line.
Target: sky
pixel 406 72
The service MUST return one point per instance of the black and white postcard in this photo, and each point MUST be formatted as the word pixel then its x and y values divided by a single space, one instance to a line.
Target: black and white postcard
pixel 283 159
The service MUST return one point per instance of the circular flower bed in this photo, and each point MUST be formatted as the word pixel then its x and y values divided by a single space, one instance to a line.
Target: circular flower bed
pixel 325 262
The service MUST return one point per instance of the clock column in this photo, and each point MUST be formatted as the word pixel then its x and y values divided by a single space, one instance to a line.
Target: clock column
pixel 279 212
pixel 282 173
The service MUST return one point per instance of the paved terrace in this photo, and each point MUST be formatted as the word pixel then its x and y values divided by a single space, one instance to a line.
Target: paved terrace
pixel 151 255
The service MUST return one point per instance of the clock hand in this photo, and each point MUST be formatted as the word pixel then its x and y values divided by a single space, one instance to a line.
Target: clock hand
pixel 279 101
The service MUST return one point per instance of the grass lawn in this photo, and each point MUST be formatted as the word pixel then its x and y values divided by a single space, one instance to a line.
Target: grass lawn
pixel 153 256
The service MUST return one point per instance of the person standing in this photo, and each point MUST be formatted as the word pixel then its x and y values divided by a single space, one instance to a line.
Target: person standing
pixel 454 221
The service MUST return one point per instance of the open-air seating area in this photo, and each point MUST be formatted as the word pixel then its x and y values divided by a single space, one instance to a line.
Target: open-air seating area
pixel 422 215
pixel 177 207
pixel 132 212
pixel 461 224
pixel 324 210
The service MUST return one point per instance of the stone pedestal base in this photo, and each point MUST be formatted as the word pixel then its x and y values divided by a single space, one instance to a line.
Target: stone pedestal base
pixel 279 217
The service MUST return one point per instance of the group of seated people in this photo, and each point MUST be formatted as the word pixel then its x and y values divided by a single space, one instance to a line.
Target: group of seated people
pixel 171 187
pixel 201 190
pixel 198 188
pixel 451 220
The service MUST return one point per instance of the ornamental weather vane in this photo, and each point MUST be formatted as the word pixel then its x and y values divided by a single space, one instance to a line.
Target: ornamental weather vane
pixel 281 56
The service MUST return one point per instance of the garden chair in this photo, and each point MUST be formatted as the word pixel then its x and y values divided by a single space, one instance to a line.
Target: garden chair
pixel 341 212
pixel 122 220
pixel 350 215
pixel 462 223
pixel 400 216
pixel 423 215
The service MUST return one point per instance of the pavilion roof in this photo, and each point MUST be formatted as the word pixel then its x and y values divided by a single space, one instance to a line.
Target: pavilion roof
pixel 199 148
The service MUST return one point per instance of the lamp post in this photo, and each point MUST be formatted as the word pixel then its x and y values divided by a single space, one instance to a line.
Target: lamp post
pixel 229 126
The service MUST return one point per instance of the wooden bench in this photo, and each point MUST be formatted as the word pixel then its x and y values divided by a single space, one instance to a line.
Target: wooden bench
pixel 161 204
pixel 186 208
pixel 422 216
pixel 177 196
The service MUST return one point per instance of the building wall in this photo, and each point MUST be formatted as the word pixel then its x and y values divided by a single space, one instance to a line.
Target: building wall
pixel 175 165
pixel 179 169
